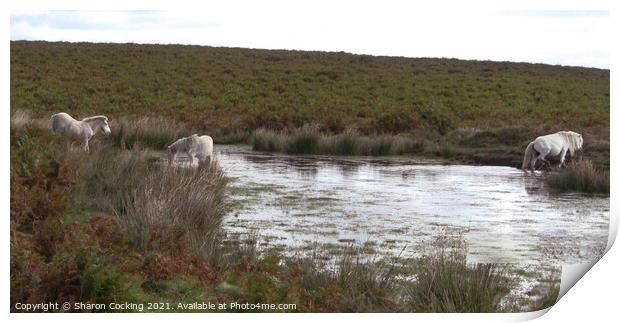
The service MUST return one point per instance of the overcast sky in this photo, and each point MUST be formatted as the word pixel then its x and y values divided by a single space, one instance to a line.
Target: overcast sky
pixel 553 36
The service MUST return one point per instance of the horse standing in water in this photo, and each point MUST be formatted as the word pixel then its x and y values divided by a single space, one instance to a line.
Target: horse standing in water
pixel 200 147
pixel 82 130
pixel 555 144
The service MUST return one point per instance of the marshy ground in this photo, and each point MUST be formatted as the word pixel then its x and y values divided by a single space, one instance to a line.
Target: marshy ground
pixel 393 208
pixel 118 223
pixel 415 228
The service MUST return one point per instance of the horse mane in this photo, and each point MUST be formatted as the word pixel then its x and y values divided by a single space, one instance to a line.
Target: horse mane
pixel 95 118
pixel 570 138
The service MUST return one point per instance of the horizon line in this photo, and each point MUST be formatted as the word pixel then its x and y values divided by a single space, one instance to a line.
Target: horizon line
pixel 315 50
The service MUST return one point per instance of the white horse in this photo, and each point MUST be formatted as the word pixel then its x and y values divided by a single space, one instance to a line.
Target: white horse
pixel 552 145
pixel 81 130
pixel 200 147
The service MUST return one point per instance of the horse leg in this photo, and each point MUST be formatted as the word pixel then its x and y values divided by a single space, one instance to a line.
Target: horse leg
pixel 547 164
pixel 562 156
pixel 85 140
pixel 205 160
pixel 171 158
pixel 533 164
pixel 191 158
pixel 543 152
pixel 85 146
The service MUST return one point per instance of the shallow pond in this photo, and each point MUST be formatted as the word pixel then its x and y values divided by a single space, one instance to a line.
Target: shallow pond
pixel 391 204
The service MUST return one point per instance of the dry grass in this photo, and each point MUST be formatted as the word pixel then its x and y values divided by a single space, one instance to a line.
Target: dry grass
pixel 130 183
pixel 580 176
pixel 354 284
pixel 156 133
pixel 189 199
pixel 145 194
pixel 446 283
pixel 268 140
pixel 22 118
pixel 350 283
pixel 547 292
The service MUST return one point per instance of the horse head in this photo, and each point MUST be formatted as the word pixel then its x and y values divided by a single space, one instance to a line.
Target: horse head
pixel 104 126
pixel 579 141
pixel 98 123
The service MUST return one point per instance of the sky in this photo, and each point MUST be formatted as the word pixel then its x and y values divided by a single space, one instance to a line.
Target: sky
pixel 553 35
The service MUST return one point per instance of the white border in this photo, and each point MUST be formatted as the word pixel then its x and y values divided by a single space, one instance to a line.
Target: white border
pixel 593 298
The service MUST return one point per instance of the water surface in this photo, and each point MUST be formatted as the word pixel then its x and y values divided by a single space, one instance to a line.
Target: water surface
pixel 396 203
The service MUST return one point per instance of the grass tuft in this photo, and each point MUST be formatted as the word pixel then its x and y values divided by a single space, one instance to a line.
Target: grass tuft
pixel 310 140
pixel 145 194
pixel 156 133
pixel 580 176
pixel 305 141
pixel 446 283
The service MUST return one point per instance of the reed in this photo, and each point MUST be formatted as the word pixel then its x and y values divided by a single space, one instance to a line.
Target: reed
pixel 144 194
pixel 311 140
pixel 580 176
pixel 446 283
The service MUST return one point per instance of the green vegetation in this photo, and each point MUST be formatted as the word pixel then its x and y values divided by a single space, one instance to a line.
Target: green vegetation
pixel 84 232
pixel 117 225
pixel 478 112
pixel 445 283
pixel 156 133
pixel 580 176
pixel 310 140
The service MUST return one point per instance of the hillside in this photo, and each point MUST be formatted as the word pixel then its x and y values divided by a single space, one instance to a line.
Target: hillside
pixel 233 90
pixel 262 88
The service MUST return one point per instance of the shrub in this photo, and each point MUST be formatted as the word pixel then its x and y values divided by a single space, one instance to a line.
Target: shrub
pixel 40 175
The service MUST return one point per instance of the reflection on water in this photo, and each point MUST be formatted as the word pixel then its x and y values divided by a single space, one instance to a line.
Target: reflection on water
pixel 397 202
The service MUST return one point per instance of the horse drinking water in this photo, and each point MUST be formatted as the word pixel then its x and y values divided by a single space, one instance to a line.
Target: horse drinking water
pixel 551 145
pixel 82 130
pixel 200 147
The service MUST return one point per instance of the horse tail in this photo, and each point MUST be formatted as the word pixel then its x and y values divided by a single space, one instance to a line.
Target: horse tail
pixel 529 154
